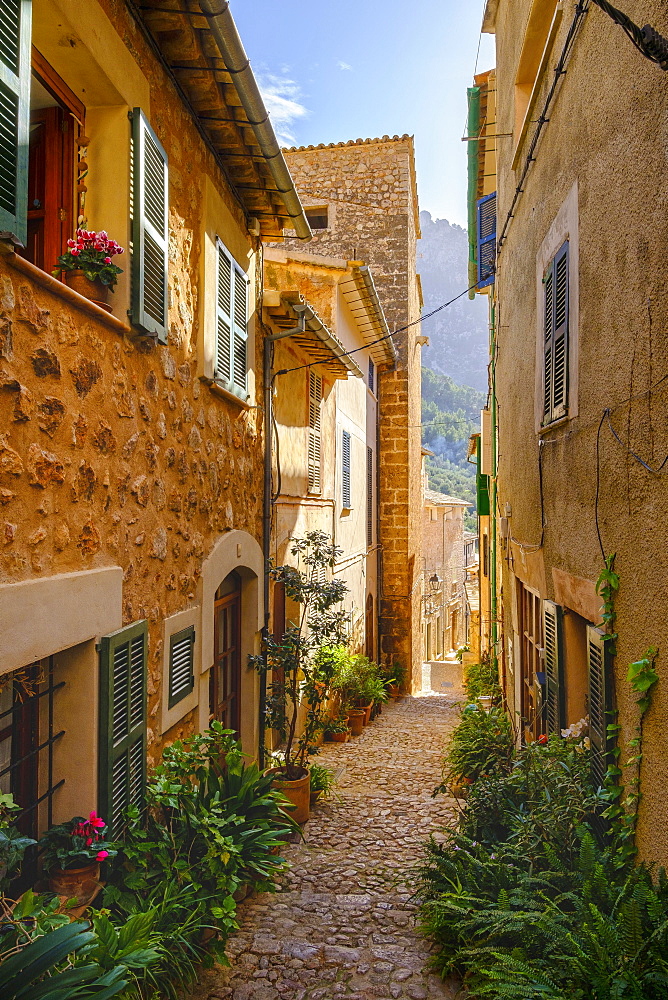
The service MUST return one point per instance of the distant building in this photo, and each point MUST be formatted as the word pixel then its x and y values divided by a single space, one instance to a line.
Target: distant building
pixel 361 201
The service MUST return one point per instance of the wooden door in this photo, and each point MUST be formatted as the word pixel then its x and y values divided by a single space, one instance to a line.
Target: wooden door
pixel 225 681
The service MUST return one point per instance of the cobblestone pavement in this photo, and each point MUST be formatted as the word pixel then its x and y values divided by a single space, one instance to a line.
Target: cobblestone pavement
pixel 343 923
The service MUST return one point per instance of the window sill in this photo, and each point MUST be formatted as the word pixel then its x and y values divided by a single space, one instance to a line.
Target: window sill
pixel 555 425
pixel 219 390
pixel 56 287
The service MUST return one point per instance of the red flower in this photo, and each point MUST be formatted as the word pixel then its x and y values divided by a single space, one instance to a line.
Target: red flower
pixel 101 855
pixel 96 820
pixel 542 740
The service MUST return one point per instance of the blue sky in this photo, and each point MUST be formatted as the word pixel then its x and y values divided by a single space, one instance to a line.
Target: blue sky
pixel 364 68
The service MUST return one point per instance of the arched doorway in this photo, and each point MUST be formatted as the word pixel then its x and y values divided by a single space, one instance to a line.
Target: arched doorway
pixel 225 676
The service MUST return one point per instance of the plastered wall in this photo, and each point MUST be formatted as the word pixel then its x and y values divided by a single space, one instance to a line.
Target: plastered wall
pixel 599 177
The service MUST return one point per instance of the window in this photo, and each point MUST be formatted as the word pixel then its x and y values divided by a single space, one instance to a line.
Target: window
pixel 56 117
pixel 149 230
pixel 369 497
pixel 555 341
pixel 433 513
pixel 345 471
pixel 122 777
pixel 181 672
pixel 553 656
pixel 486 229
pixel 317 217
pixel 372 376
pixel 314 431
pixel 231 365
pixel 28 735
pixel 225 674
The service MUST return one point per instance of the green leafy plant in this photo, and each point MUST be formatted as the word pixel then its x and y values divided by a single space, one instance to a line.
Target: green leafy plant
pixel 13 844
pixel 302 661
pixel 607 586
pixel 482 743
pixel 322 779
pixel 335 725
pixel 212 824
pixel 459 654
pixel 57 966
pixel 77 843
pixel 482 679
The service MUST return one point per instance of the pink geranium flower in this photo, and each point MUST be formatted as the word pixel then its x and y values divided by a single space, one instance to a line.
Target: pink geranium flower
pixel 101 855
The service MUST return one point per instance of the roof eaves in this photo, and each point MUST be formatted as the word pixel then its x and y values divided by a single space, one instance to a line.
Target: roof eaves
pixel 377 334
pixel 315 325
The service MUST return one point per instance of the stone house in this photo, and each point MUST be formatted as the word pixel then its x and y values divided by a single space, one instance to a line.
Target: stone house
pixel 361 201
pixel 325 405
pixel 579 375
pixel 131 477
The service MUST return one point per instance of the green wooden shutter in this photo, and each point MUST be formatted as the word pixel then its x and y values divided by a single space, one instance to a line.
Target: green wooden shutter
pixel 231 366
pixel 345 471
pixel 314 432
pixel 600 701
pixel 15 19
pixel 149 229
pixel 556 306
pixel 122 749
pixel 181 665
pixel 552 641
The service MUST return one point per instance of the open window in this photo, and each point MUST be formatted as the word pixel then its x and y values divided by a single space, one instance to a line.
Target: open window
pixel 56 132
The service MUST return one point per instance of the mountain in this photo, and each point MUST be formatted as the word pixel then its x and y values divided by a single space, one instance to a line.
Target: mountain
pixel 458 334
pixel 450 414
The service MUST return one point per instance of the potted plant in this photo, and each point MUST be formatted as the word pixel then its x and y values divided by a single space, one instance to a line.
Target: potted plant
pixel 336 730
pixel 355 718
pixel 88 265
pixel 395 675
pixel 72 853
pixel 322 782
pixel 13 844
pixel 301 663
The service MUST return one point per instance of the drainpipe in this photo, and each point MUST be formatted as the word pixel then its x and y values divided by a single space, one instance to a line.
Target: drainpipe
pixel 230 46
pixel 266 498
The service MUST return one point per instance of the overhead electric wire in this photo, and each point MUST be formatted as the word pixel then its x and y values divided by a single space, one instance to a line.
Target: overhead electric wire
pixel 387 336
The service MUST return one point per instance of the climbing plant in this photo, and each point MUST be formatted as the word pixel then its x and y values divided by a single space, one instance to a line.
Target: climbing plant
pixel 622 811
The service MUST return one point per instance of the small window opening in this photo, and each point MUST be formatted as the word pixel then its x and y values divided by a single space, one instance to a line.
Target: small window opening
pixel 317 217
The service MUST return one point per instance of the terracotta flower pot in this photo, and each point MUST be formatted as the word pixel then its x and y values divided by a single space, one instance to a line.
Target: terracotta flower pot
pixel 93 290
pixel 75 883
pixel 314 796
pixel 336 737
pixel 356 721
pixel 394 691
pixel 367 712
pixel 297 792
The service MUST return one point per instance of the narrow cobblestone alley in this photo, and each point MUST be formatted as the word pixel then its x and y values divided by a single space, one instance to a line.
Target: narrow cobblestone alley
pixel 343 923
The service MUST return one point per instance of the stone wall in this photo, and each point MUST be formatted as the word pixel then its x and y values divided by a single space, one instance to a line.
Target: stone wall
pixel 369 189
pixel 112 451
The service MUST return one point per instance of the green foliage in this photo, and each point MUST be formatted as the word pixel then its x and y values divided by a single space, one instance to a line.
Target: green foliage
pixel 212 823
pixel 301 663
pixel 526 903
pixel 481 744
pixel 359 680
pixel 56 965
pixel 322 779
pixel 13 844
pixel 482 679
pixel 450 414
pixel 607 586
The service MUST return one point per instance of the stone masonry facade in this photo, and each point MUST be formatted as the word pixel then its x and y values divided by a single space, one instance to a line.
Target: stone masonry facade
pixel 369 189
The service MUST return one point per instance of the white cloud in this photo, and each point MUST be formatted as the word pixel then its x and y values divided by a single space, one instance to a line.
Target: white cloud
pixel 344 65
pixel 282 98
